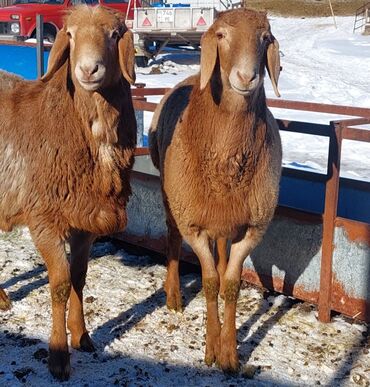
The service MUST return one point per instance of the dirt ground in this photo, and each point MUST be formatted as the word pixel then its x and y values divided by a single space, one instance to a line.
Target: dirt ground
pixel 307 8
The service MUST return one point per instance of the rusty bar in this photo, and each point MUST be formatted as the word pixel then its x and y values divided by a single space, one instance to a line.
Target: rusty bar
pixel 140 98
pixel 319 107
pixel 356 134
pixel 144 105
pixel 145 91
pixel 354 121
pixel 283 104
pixel 330 213
pixel 143 151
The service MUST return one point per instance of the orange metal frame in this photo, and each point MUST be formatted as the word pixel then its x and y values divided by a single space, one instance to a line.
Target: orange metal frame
pixel 338 131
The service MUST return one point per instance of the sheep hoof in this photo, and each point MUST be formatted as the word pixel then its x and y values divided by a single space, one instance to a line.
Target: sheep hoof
pixel 59 364
pixel 174 305
pixel 5 303
pixel 209 359
pixel 212 350
pixel 86 344
pixel 228 362
pixel 174 302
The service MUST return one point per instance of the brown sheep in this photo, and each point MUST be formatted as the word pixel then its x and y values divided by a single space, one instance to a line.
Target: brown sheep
pixel 218 150
pixel 66 150
pixel 8 80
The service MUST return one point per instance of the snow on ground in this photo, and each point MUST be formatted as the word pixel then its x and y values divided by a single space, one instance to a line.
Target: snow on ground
pixel 139 342
pixel 320 64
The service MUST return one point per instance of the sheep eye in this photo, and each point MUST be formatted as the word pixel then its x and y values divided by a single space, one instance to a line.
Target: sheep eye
pixel 266 36
pixel 220 35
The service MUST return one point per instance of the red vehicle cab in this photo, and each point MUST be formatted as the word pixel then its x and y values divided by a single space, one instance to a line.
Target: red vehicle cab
pixel 18 21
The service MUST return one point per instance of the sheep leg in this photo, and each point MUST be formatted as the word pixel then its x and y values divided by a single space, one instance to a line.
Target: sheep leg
pixel 228 359
pixel 5 303
pixel 172 284
pixel 52 250
pixel 80 248
pixel 221 248
pixel 211 286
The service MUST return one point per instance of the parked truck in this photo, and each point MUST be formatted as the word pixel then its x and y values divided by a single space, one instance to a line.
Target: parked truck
pixel 18 21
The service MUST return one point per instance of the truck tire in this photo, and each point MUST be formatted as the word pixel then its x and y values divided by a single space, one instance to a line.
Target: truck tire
pixel 49 37
pixel 50 33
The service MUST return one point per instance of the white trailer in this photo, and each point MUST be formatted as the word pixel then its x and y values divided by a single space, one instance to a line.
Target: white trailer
pixel 174 23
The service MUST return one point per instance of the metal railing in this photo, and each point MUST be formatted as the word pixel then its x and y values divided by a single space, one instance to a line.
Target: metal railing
pixel 339 131
pixel 336 131
pixel 362 17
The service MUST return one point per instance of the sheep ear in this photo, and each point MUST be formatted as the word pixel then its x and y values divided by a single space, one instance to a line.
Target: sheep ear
pixel 273 64
pixel 58 55
pixel 208 57
pixel 126 53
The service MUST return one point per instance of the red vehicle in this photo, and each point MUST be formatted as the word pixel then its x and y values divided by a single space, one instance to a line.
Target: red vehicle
pixel 18 22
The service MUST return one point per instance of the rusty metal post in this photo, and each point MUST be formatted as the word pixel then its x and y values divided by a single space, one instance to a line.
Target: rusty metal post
pixel 330 214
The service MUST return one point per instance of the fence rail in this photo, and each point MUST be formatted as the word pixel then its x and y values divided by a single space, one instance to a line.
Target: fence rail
pixel 362 17
pixel 336 131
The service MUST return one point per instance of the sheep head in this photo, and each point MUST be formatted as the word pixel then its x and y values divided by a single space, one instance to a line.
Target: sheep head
pixel 98 46
pixel 240 42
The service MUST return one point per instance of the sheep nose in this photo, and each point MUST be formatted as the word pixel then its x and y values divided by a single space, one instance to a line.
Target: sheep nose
pixel 246 77
pixel 88 70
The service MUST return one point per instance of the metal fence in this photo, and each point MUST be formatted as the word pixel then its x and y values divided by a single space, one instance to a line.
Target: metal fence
pixel 336 131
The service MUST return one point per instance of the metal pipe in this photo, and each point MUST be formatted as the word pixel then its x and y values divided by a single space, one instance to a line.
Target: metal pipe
pixel 40 45
pixel 283 104
pixel 319 107
pixel 330 214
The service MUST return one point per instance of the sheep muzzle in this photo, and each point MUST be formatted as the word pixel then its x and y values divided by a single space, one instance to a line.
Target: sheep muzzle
pixel 90 73
pixel 243 82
